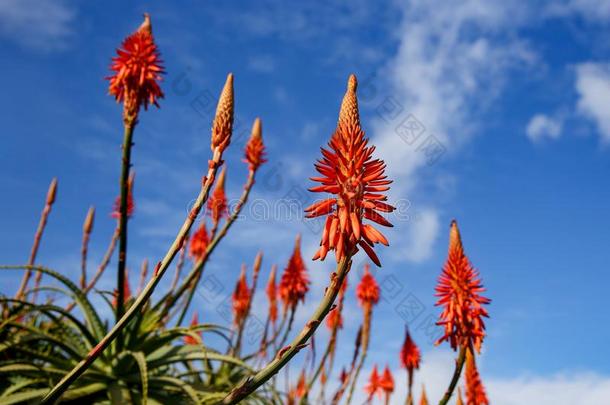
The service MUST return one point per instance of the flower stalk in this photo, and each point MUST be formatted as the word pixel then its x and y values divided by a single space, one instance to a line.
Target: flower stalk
pixel 51 194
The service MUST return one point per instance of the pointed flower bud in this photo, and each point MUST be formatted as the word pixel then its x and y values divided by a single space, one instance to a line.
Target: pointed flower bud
pixel 222 128
pixel 295 282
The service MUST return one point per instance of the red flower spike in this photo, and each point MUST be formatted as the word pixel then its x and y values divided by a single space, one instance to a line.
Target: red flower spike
pixel 271 291
pixel 240 298
pixel 199 242
pixel 387 381
pixel 409 354
pixel 294 283
pixel 373 387
pixel 334 319
pixel 217 204
pixel 458 289
pixel 190 340
pixel 349 171
pixel 367 290
pixel 137 71
pixel 475 392
pixel 255 148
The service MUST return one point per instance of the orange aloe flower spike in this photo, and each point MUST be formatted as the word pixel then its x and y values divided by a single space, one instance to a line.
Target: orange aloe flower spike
pixel 137 72
pixel 271 291
pixel 217 204
pixel 367 290
pixel 294 283
pixel 409 354
pixel 240 298
pixel 387 381
pixel 199 242
pixel 357 182
pixel 254 153
pixel 373 387
pixel 459 293
pixel 190 340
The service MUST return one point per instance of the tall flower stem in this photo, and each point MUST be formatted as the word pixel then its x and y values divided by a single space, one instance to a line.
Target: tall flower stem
pixel 101 267
pixel 192 279
pixel 130 124
pixel 38 236
pixel 249 385
pixel 366 332
pixel 459 365
pixel 409 400
pixel 141 300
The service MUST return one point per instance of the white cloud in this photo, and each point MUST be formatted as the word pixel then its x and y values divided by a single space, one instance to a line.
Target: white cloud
pixel 43 25
pixel 593 88
pixel 542 126
pixel 451 62
pixel 422 231
pixel 592 10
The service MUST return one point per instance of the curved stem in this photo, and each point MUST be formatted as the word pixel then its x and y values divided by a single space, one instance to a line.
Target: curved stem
pixel 124 187
pixel 249 385
pixel 284 338
pixel 192 280
pixel 459 365
pixel 141 300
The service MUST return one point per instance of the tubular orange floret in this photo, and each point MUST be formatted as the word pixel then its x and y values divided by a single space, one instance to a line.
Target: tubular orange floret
pixel 458 289
pixel 367 290
pixel 199 242
pixel 137 70
pixel 255 148
pixel 271 291
pixel 387 381
pixel 358 181
pixel 190 340
pixel 217 204
pixel 116 211
pixel 373 387
pixel 409 354
pixel 294 283
pixel 240 298
pixel 475 392
pixel 223 120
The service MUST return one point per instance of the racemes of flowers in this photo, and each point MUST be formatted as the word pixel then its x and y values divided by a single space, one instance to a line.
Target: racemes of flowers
pixel 156 349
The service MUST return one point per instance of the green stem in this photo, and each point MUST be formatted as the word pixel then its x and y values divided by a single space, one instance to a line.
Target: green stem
pixel 365 345
pixel 249 385
pixel 459 364
pixel 141 300
pixel 124 187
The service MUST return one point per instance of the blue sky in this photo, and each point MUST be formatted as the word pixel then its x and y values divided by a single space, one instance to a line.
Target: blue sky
pixel 515 95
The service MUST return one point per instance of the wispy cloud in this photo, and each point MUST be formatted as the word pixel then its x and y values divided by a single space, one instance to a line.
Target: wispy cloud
pixel 593 88
pixel 41 25
pixel 447 57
